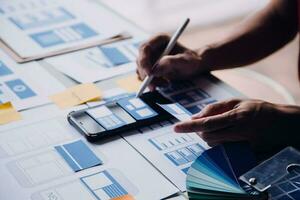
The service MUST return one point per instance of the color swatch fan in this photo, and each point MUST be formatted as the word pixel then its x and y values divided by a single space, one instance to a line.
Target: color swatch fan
pixel 214 174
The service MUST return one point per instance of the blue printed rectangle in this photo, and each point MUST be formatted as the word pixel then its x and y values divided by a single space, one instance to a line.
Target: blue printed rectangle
pixel 175 109
pixel 84 30
pixel 42 18
pixel 138 109
pixel 22 90
pixel 78 155
pixel 187 154
pixel 106 118
pixel 176 158
pixel 47 39
pixel 111 122
pixel 196 149
pixel 194 109
pixel 185 170
pixel 63 35
pixel 4 70
pixel 108 185
pixel 114 55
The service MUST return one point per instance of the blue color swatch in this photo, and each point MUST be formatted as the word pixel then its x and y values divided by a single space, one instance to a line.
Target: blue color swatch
pixel 78 155
pixel 20 89
pixel 4 70
pixel 213 175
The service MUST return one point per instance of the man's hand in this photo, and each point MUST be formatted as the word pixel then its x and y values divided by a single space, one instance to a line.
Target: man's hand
pixel 263 124
pixel 183 63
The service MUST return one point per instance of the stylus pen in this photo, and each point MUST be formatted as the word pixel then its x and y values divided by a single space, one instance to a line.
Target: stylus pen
pixel 167 51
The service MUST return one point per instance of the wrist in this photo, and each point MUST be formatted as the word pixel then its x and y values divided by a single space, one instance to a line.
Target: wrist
pixel 207 57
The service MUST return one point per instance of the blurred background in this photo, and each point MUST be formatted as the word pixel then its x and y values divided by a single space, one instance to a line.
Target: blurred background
pixel 273 79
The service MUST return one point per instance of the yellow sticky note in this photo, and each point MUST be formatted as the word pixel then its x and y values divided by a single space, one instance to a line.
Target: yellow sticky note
pixel 124 197
pixel 77 95
pixel 130 83
pixel 8 113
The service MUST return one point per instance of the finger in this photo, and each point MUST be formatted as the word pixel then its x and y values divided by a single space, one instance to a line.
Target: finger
pixel 149 52
pixel 208 124
pixel 144 60
pixel 140 77
pixel 158 41
pixel 217 108
pixel 158 82
pixel 167 66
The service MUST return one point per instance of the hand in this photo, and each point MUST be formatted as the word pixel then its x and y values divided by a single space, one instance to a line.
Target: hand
pixel 182 63
pixel 263 124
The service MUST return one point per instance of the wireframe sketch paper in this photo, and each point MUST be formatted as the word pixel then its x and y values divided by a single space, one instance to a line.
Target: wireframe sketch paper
pixel 39 28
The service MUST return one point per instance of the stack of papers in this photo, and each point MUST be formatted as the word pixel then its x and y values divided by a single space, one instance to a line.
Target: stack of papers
pixel 214 174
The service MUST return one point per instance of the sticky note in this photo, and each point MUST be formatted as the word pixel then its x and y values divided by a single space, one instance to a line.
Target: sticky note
pixel 78 155
pixel 77 95
pixel 8 113
pixel 138 109
pixel 130 83
pixel 124 197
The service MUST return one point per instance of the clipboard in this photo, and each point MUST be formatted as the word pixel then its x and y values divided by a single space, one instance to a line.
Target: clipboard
pixel 279 175
pixel 12 53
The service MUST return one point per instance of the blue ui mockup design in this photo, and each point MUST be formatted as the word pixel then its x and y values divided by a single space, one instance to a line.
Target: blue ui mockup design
pixel 78 155
pixel 138 109
pixel 20 88
pixel 63 35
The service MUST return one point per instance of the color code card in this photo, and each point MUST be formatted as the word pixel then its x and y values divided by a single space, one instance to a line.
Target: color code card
pixel 137 108
pixel 106 118
pixel 78 155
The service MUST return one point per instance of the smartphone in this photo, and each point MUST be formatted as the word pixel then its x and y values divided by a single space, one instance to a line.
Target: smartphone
pixel 125 114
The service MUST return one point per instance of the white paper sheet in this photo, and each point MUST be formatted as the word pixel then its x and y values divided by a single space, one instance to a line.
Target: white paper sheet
pixel 172 153
pixel 38 27
pixel 92 65
pixel 27 85
pixel 30 168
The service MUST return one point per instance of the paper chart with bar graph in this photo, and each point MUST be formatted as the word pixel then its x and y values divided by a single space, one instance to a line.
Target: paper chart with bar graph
pixel 170 152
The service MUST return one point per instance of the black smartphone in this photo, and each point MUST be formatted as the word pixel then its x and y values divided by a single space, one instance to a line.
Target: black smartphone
pixel 125 114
